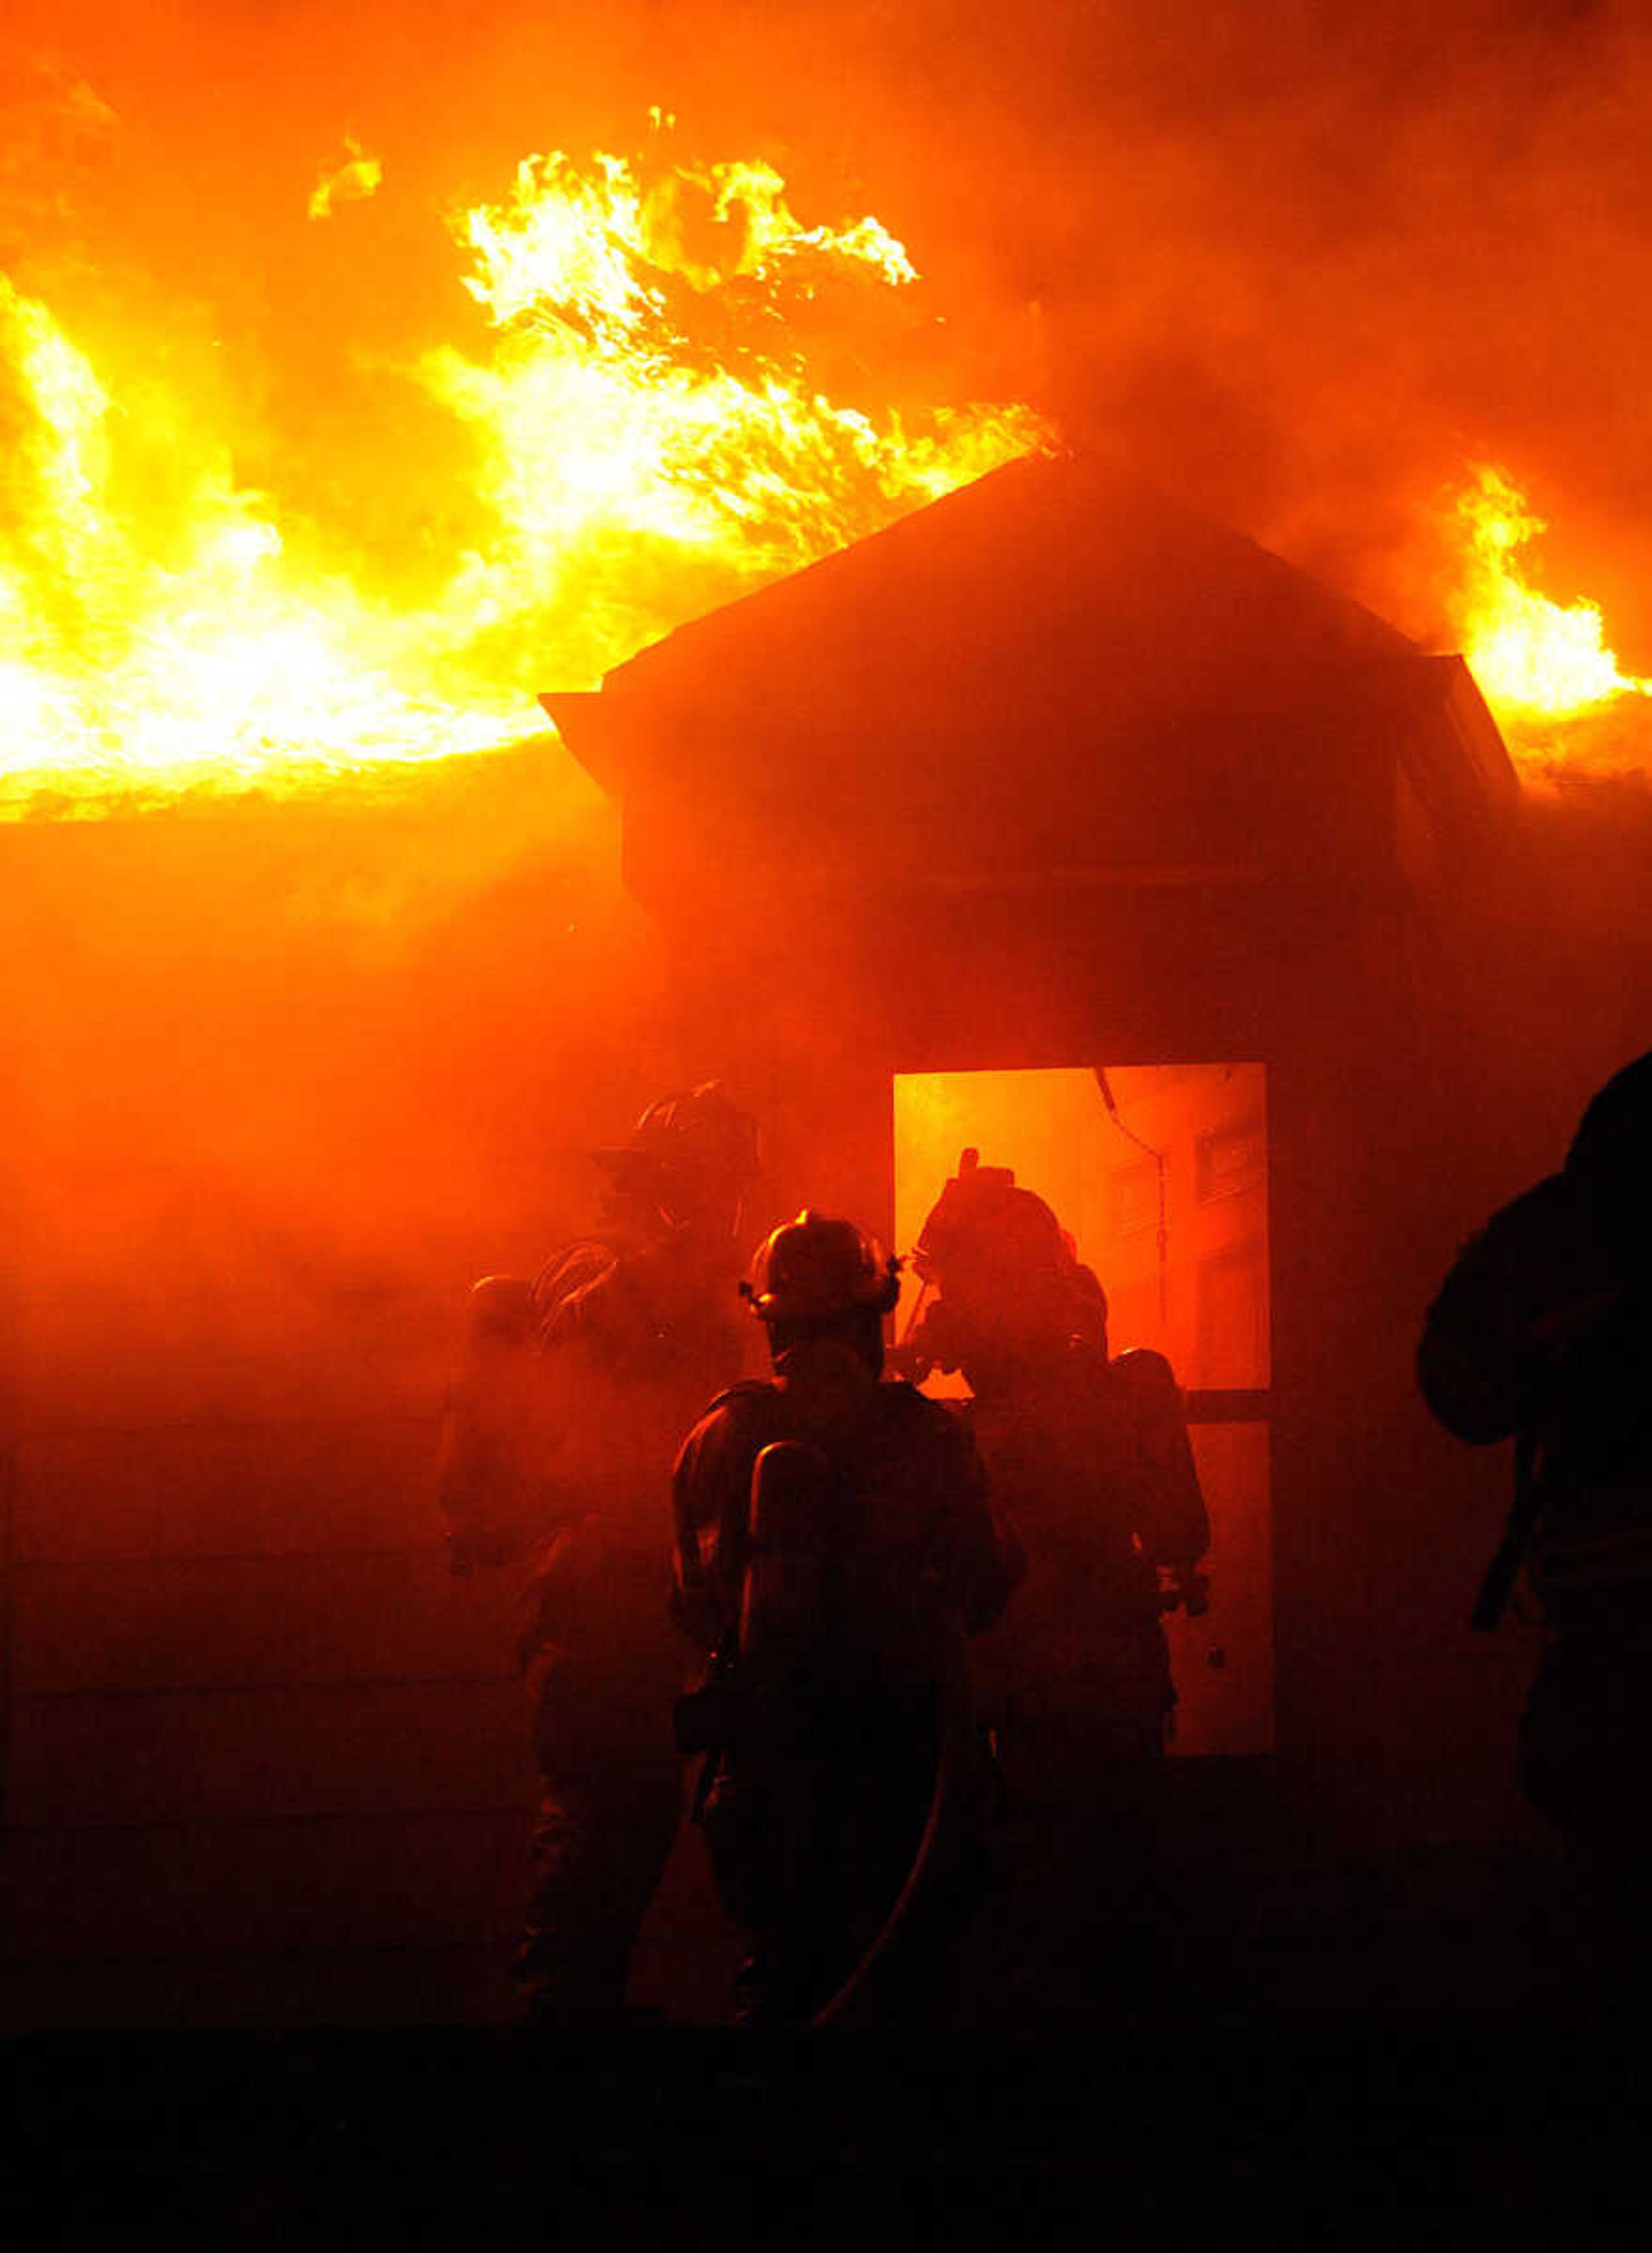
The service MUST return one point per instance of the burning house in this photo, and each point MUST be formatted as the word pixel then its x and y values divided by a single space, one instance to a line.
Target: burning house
pixel 1054 819
pixel 1051 819
pixel 1055 776
pixel 1139 667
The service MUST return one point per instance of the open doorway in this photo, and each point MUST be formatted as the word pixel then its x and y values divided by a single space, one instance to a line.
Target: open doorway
pixel 1158 1172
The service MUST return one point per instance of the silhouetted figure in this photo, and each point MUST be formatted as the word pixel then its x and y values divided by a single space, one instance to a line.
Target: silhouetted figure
pixel 835 1549
pixel 1088 1462
pixel 1542 1332
pixel 563 1425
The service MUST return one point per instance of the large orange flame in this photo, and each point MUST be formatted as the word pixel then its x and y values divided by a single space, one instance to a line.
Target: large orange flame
pixel 650 440
pixel 1544 668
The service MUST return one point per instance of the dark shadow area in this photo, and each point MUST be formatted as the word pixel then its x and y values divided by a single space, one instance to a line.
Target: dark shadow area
pixel 1339 2127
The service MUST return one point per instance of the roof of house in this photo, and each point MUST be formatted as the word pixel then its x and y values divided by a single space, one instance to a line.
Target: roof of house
pixel 1055 668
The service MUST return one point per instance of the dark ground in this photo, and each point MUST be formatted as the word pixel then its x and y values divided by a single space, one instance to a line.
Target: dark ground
pixel 1373 2057
pixel 1330 2131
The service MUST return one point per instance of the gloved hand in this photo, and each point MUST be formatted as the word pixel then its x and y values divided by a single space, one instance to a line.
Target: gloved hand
pixel 940 1341
pixel 1184 1587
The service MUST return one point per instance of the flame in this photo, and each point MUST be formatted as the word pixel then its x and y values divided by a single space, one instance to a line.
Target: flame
pixel 357 178
pixel 1541 667
pixel 649 439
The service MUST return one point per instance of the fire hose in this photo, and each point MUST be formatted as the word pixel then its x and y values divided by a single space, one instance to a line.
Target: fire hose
pixel 790 1513
pixel 952 1807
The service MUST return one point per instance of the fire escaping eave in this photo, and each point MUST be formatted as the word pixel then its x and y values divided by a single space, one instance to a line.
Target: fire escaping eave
pixel 1052 681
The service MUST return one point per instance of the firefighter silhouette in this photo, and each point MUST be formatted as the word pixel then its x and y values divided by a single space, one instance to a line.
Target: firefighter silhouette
pixel 1542 1332
pixel 835 1549
pixel 1091 1470
pixel 563 1422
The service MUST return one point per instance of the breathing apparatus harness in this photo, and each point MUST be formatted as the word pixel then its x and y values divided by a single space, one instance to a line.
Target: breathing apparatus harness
pixel 1008 1242
pixel 761 1687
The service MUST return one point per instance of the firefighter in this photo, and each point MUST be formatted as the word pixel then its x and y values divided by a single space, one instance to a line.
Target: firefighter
pixel 562 1421
pixel 835 1549
pixel 1542 1332
pixel 1090 1463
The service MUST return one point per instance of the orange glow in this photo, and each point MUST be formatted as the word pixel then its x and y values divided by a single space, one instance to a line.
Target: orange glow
pixel 1208 1123
pixel 1540 665
pixel 353 181
pixel 648 439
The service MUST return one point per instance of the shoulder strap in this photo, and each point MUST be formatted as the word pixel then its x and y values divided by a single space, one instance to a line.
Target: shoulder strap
pixel 1504 1568
pixel 746 1389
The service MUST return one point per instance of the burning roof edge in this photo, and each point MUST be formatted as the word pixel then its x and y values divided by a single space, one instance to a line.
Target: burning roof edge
pixel 1053 603
pixel 1074 521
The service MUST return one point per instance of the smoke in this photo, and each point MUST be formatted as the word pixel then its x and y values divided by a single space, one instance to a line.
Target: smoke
pixel 278 1081
pixel 1307 264
pixel 284 1054
pixel 1304 264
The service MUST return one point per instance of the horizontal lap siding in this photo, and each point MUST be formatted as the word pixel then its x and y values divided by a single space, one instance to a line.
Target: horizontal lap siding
pixel 227 1489
pixel 239 1623
pixel 121 1361
pixel 267 1885
pixel 267 1759
pixel 424 1985
pixel 219 1755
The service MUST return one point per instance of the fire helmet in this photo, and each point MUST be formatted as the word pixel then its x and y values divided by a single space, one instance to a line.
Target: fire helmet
pixel 1611 1159
pixel 813 1269
pixel 1614 1137
pixel 983 1228
pixel 699 1137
